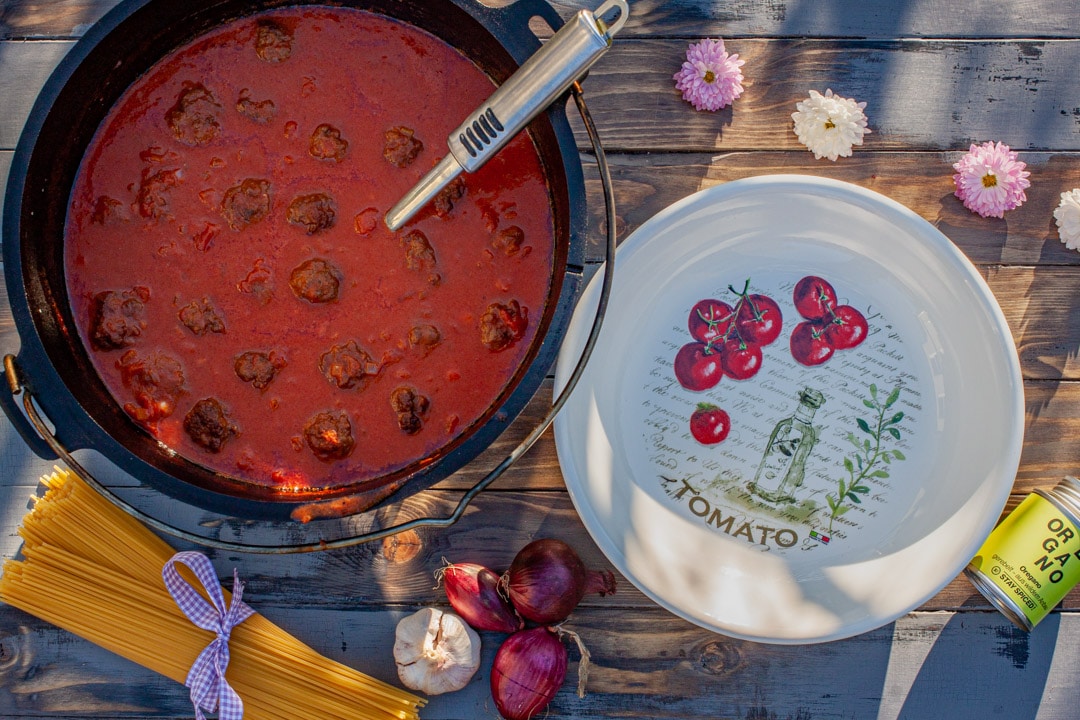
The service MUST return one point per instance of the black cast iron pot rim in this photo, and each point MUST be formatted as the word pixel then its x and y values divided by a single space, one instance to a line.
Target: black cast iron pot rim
pixel 77 428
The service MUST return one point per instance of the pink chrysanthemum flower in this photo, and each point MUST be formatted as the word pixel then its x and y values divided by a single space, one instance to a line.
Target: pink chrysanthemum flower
pixel 710 79
pixel 990 179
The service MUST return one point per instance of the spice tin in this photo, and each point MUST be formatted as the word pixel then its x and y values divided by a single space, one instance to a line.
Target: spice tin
pixel 1032 559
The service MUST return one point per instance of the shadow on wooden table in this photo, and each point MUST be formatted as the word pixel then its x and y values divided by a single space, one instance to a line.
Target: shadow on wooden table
pixel 957 660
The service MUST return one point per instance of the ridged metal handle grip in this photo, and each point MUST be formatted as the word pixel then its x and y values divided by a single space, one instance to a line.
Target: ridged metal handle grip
pixel 544 77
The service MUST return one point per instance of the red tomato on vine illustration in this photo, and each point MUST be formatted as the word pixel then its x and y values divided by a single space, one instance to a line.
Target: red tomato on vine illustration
pixel 697 366
pixel 828 326
pixel 732 335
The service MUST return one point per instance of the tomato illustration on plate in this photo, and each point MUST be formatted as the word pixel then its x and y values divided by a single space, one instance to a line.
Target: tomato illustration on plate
pixel 728 338
pixel 697 366
pixel 813 297
pixel 759 319
pixel 709 424
pixel 709 320
pixel 740 360
pixel 828 326
pixel 731 336
pixel 809 344
pixel 847 329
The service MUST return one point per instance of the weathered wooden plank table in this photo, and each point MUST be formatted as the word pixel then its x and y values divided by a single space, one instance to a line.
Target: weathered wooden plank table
pixel 936 76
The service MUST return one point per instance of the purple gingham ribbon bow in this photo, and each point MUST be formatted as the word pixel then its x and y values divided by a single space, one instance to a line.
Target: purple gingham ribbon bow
pixel 206 678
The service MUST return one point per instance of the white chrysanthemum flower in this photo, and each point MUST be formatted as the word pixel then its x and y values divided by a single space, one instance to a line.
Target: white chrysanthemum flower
pixel 829 125
pixel 1067 216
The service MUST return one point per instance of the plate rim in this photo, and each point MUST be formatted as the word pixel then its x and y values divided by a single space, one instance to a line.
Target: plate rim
pixel 957 261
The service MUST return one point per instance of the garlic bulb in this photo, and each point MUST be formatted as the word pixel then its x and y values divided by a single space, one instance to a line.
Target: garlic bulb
pixel 435 651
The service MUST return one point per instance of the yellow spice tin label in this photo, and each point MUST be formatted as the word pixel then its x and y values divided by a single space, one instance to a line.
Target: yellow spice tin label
pixel 1032 557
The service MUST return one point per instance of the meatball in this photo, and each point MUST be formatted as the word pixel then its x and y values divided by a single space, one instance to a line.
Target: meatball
pixel 208 425
pixel 152 199
pixel 194 117
pixel 411 407
pixel 503 325
pixel 327 143
pixel 201 317
pixel 400 147
pixel 329 435
pixel 156 382
pixel 258 368
pixel 509 240
pixel 444 201
pixel 261 111
pixel 348 366
pixel 314 213
pixel 247 203
pixel 420 256
pixel 424 338
pixel 316 281
pixel 117 318
pixel 273 42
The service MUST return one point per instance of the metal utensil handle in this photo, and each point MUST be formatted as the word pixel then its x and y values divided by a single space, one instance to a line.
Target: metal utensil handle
pixel 545 76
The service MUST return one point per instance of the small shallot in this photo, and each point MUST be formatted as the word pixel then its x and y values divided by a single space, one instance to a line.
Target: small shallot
pixel 473 591
pixel 528 671
pixel 547 580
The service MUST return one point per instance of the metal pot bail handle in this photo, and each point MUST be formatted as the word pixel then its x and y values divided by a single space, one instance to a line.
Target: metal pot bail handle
pixel 30 426
pixel 52 445
pixel 533 436
pixel 557 404
pixel 579 368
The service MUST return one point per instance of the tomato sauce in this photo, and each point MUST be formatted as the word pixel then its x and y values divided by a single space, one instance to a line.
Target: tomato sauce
pixel 233 280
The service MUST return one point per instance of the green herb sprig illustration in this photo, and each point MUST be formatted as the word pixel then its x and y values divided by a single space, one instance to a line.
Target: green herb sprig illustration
pixel 870 457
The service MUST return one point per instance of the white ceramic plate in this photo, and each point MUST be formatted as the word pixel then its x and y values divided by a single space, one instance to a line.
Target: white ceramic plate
pixel 753 536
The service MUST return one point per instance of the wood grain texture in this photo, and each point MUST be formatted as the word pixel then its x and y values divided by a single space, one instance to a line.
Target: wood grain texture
pixel 402 569
pixel 693 18
pixel 842 18
pixel 5 170
pixel 50 18
pixel 24 68
pixel 938 95
pixel 652 665
pixel 919 94
pixel 645 184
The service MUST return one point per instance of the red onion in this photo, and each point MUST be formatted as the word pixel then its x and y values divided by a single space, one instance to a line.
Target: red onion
pixel 473 591
pixel 547 580
pixel 528 671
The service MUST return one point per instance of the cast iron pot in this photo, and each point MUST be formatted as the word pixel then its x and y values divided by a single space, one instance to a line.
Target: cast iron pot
pixel 53 367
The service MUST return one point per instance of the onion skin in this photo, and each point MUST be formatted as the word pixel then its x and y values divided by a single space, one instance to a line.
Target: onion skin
pixel 473 591
pixel 547 580
pixel 528 671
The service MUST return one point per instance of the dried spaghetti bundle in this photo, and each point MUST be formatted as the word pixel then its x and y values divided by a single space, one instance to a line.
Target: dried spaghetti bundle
pixel 91 569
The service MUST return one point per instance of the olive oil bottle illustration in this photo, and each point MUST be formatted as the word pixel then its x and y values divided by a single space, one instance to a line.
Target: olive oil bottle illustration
pixel 783 465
